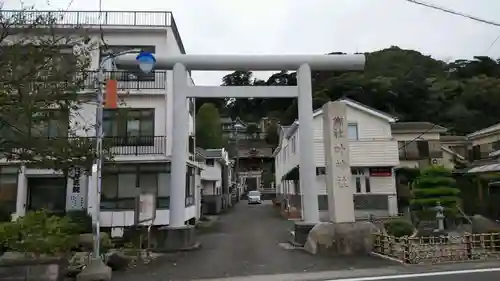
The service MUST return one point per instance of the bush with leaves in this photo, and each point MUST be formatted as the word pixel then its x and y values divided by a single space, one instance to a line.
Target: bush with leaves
pixel 4 215
pixel 38 233
pixel 82 221
pixel 399 227
pixel 435 184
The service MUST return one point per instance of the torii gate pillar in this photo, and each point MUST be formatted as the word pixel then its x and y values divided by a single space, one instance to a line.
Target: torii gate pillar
pixel 303 91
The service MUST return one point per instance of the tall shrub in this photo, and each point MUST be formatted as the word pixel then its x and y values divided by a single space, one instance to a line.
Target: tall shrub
pixel 435 184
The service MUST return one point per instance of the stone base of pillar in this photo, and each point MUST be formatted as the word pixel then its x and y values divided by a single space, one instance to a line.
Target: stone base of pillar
pixel 176 239
pixel 96 271
pixel 349 238
pixel 301 230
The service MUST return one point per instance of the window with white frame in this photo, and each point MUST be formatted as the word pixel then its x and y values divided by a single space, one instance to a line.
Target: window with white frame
pixel 352 131
pixel 357 176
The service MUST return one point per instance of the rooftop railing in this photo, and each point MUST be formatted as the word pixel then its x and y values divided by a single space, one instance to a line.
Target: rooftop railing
pixel 98 18
pixel 132 18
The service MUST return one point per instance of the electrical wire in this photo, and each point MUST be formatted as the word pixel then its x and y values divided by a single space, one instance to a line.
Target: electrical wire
pixel 69 5
pixel 492 44
pixel 406 143
pixel 449 11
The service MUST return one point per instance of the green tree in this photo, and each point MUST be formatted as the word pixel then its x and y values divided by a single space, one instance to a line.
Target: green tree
pixel 460 95
pixel 208 127
pixel 435 184
pixel 272 135
pixel 39 92
pixel 252 130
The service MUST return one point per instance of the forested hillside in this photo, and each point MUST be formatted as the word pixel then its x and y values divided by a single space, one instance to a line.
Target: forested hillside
pixel 463 95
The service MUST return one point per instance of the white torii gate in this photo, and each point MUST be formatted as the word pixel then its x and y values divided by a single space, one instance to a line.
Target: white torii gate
pixel 302 63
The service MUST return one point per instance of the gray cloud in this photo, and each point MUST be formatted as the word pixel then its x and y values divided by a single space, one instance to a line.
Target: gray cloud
pixel 317 26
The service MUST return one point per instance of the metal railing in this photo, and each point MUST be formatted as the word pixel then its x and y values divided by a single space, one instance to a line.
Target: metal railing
pixel 129 203
pixel 127 80
pixel 125 204
pixel 116 146
pixel 422 250
pixel 136 145
pixel 127 18
pixel 96 18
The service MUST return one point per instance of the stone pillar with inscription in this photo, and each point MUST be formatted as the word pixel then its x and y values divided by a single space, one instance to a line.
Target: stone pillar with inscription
pixel 343 234
pixel 338 169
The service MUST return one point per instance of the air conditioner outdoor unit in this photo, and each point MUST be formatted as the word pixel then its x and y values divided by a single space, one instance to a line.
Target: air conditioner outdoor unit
pixel 436 161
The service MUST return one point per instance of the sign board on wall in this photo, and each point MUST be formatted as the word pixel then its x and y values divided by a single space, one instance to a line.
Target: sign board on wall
pixel 380 172
pixel 147 207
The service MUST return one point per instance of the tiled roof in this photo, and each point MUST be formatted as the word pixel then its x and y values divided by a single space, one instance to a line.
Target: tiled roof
pixel 417 127
pixel 213 153
pixel 453 138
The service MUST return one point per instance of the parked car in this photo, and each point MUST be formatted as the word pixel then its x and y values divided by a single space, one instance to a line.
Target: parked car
pixel 254 197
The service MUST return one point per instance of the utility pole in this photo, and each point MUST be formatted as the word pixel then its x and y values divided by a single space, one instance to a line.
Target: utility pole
pixel 236 126
pixel 146 62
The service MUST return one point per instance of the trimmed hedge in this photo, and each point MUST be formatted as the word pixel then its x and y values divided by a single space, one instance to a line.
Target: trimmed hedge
pixel 399 227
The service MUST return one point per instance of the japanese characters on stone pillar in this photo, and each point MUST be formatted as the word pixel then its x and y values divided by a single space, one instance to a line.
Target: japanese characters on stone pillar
pixel 338 169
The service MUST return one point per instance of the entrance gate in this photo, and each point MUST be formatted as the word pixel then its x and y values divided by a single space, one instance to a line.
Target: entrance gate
pixel 303 64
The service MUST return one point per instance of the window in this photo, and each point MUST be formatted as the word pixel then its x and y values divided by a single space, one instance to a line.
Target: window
pixel 358 184
pixel 47 193
pixel 368 188
pixel 50 124
pixel 129 125
pixel 130 75
pixel 320 171
pixel 293 145
pixel 435 150
pixel 119 191
pixel 189 186
pixel 210 162
pixel 8 189
pixel 409 150
pixel 352 131
pixel 423 149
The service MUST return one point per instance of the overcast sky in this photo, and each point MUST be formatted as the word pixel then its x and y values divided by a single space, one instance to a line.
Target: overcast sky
pixel 315 26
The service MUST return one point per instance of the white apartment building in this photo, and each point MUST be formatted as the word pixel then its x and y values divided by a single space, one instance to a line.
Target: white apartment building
pixel 373 155
pixel 216 180
pixel 139 131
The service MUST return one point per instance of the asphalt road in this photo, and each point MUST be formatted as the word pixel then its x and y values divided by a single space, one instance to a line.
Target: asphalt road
pixel 245 243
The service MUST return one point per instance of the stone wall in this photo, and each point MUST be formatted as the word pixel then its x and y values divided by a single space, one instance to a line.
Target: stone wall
pixel 43 269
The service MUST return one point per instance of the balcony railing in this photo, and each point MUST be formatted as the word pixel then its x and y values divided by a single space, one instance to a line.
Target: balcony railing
pixel 116 146
pixel 140 145
pixel 137 18
pixel 130 203
pixel 129 81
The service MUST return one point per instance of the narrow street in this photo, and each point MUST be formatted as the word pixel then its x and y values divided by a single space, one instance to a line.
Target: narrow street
pixel 246 242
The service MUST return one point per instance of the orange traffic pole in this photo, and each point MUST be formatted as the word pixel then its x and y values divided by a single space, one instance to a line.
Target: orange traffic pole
pixel 111 99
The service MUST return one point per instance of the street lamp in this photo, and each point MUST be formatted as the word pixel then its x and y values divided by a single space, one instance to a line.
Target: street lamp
pixel 146 62
pixel 237 126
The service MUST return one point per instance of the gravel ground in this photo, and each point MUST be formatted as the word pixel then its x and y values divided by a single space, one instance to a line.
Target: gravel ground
pixel 245 242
